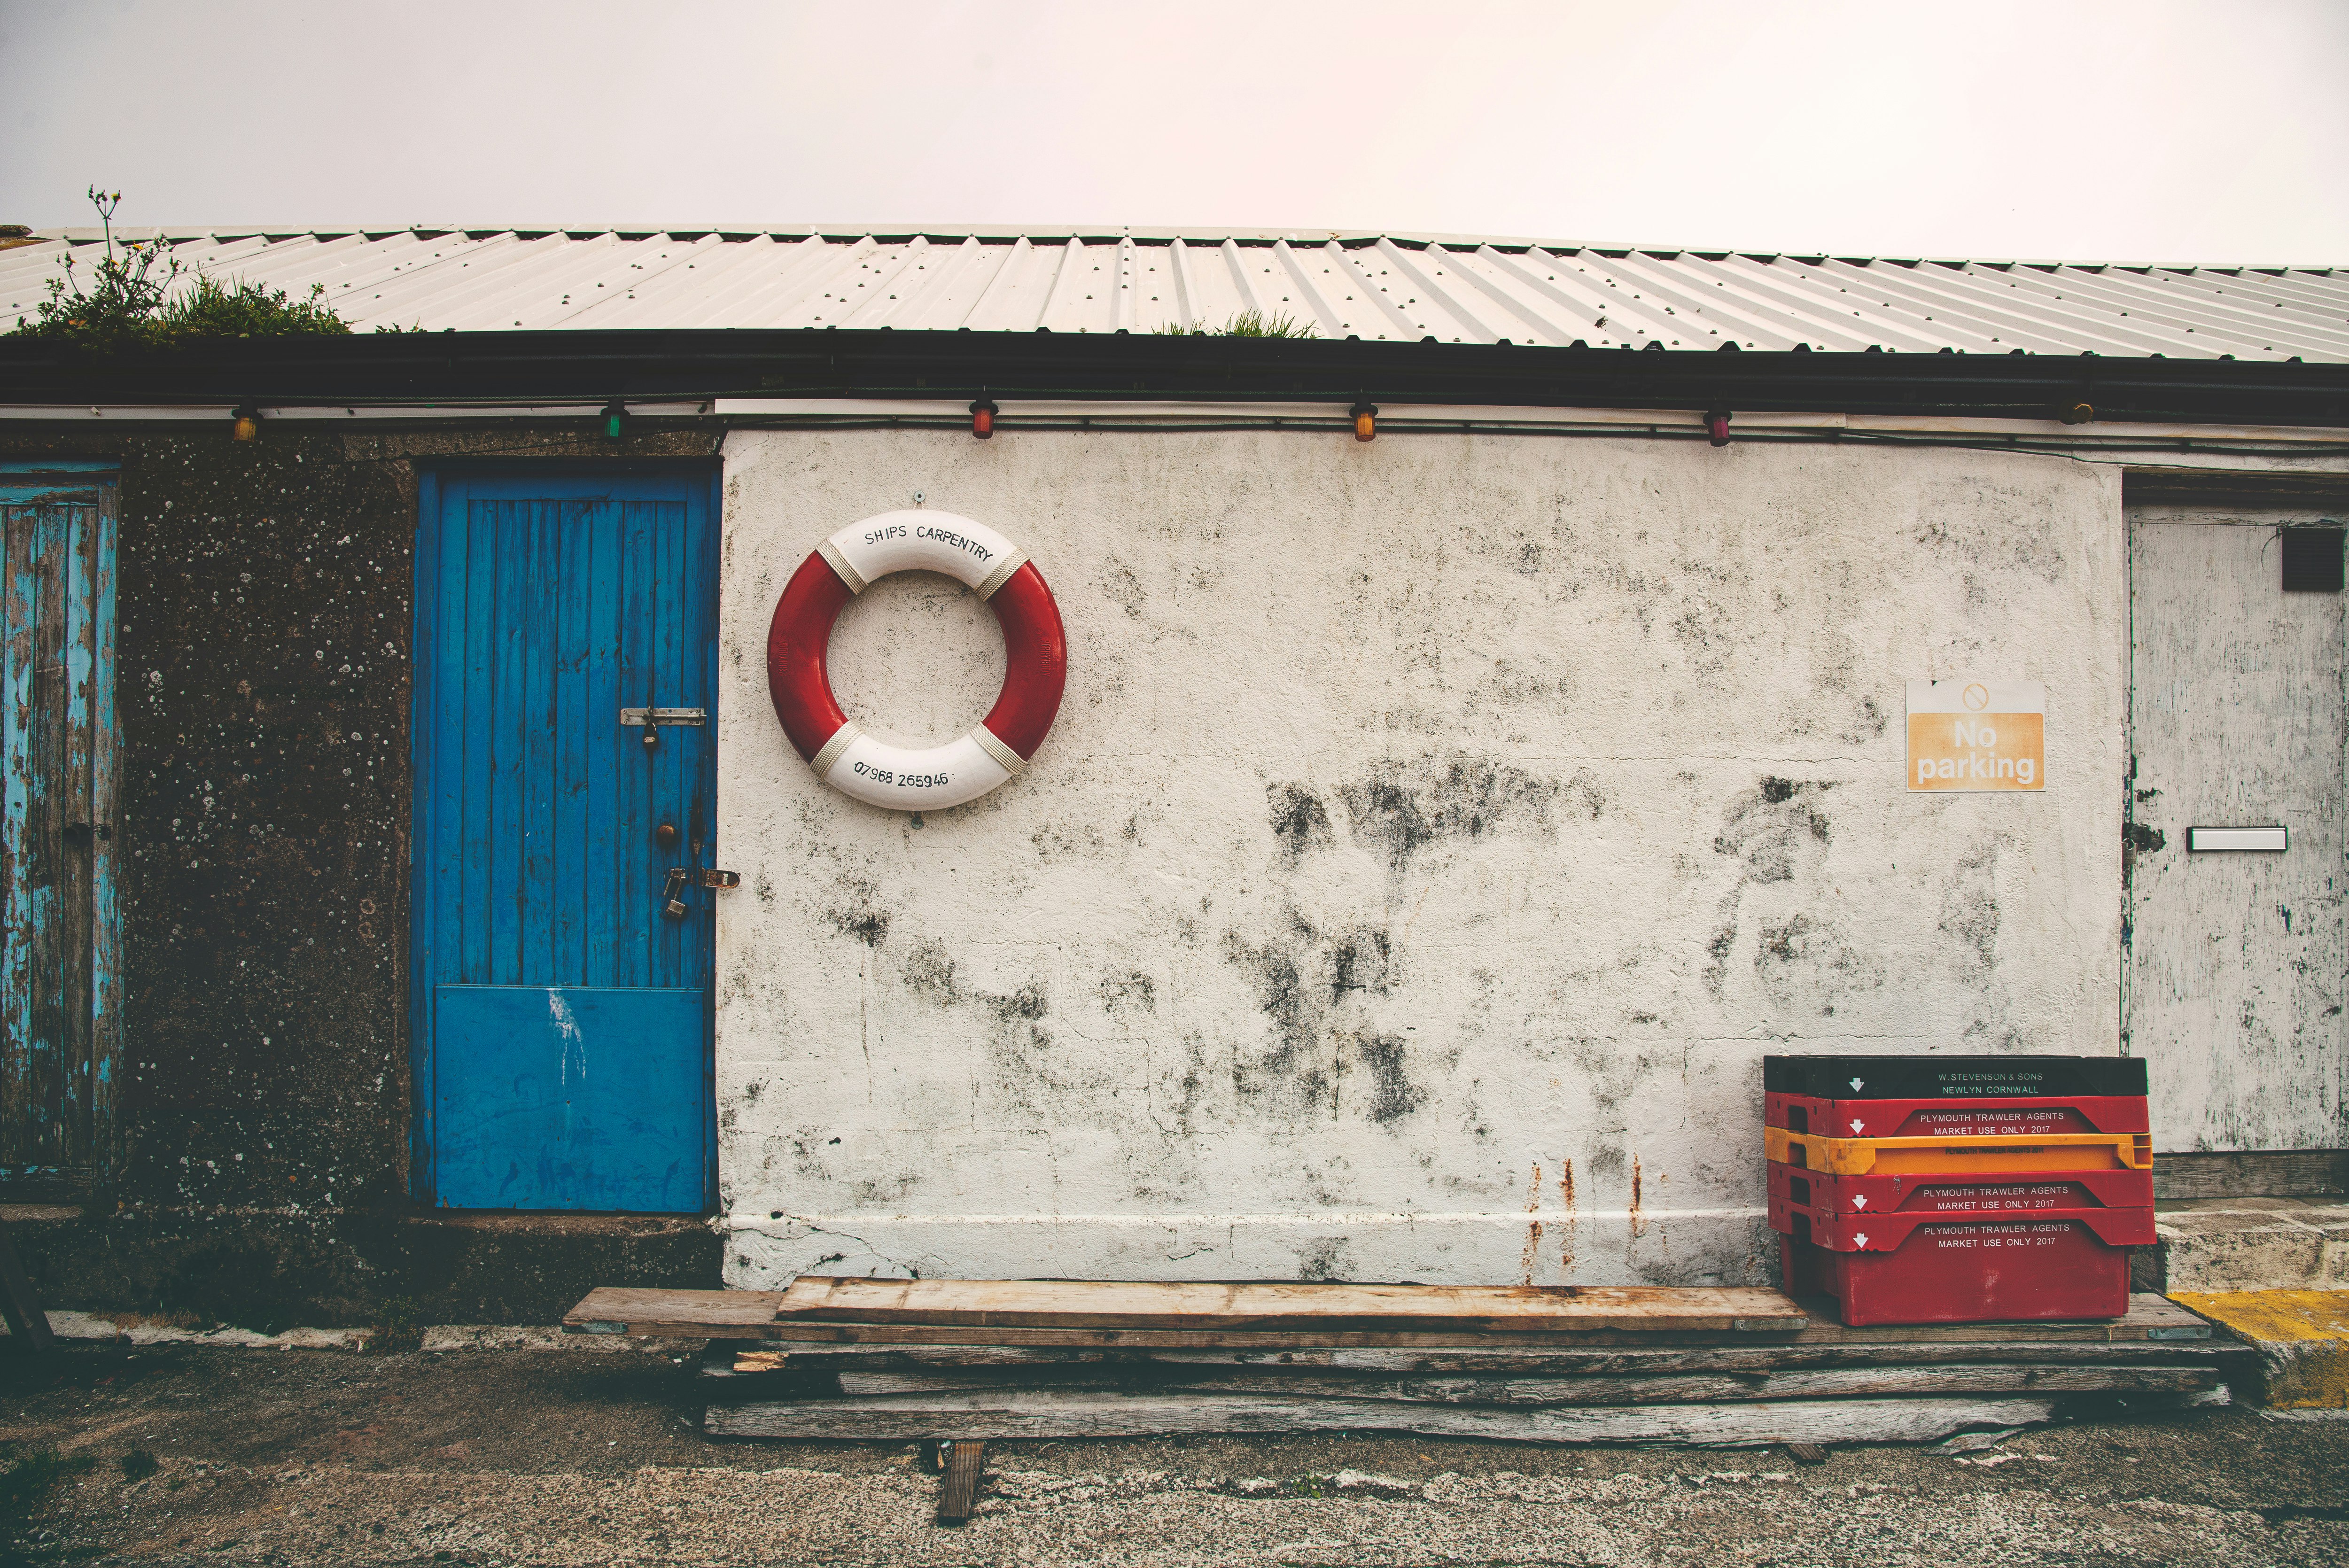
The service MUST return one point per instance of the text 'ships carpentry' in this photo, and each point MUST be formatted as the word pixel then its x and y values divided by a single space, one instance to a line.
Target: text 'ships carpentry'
pixel 1036 655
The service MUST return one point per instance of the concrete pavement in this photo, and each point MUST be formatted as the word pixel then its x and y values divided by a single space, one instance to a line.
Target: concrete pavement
pixel 580 1456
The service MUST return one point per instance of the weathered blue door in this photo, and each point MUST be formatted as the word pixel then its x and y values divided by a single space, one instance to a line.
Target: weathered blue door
pixel 59 963
pixel 562 935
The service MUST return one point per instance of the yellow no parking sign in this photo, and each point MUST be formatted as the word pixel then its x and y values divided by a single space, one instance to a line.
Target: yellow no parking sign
pixel 1976 734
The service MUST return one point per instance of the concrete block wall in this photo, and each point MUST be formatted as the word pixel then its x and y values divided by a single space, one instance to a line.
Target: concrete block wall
pixel 1435 835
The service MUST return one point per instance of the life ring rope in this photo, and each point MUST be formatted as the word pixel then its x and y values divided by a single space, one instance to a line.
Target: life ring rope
pixel 992 751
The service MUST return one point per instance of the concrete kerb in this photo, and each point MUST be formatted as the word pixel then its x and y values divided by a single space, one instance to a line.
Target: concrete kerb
pixel 2303 1340
pixel 2240 1244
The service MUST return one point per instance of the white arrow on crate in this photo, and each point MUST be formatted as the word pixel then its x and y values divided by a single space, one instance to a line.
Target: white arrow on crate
pixel 1860 1202
pixel 1860 1240
pixel 1857 1124
pixel 1855 1086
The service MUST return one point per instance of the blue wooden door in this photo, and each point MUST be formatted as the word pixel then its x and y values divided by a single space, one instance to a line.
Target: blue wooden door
pixel 561 975
pixel 60 970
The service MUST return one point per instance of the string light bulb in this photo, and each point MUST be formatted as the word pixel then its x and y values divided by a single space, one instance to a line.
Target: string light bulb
pixel 247 424
pixel 982 420
pixel 615 421
pixel 1366 421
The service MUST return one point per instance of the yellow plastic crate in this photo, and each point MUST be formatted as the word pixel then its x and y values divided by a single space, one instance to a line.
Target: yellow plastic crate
pixel 1947 1156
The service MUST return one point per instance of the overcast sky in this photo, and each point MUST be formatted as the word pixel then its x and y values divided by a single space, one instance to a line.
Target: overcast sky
pixel 2156 130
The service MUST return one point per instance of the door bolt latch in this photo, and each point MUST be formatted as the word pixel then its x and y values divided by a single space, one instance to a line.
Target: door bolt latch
pixel 652 718
pixel 721 879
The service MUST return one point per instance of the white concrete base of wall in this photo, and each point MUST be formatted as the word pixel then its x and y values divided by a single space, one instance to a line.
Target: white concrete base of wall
pixel 1690 1247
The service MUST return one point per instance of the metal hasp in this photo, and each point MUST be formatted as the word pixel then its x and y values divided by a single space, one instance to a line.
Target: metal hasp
pixel 664 715
pixel 2204 840
pixel 721 879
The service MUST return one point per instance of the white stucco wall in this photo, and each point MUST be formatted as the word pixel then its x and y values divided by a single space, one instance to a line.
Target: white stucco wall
pixel 1435 835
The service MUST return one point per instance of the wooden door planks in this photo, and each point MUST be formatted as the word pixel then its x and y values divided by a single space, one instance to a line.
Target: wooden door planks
pixel 1054 1413
pixel 1277 1305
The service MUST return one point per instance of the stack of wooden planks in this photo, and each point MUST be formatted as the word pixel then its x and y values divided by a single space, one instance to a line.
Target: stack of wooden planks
pixel 900 1359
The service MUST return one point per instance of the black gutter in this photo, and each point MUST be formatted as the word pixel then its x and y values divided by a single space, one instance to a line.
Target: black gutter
pixel 432 367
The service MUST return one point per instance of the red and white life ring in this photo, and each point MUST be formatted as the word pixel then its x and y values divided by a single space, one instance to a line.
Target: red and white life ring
pixel 1036 655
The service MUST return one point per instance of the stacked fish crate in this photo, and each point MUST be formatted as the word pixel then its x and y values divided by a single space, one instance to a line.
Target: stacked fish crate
pixel 1958 1189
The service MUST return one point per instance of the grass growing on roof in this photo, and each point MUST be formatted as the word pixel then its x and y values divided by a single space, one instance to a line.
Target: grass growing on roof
pixel 1247 323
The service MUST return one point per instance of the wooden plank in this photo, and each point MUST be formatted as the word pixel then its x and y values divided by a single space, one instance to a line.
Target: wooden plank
pixel 462 875
pixel 1091 1414
pixel 530 737
pixel 1240 1338
pixel 966 1461
pixel 76 830
pixel 17 598
pixel 2095 1333
pixel 1852 1383
pixel 642 949
pixel 107 1075
pixel 678 1314
pixel 1282 1303
pixel 2149 1316
pixel 715 1315
pixel 45 997
pixel 571 723
pixel 730 1359
pixel 507 737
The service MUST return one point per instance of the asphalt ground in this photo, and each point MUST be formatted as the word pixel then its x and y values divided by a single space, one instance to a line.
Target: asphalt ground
pixel 178 1454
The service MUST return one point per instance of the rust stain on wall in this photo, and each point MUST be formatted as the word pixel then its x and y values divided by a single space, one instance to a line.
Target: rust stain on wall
pixel 1533 1224
pixel 1566 1202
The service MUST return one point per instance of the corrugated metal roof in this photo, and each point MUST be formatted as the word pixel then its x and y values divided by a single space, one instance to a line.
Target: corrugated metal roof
pixel 1447 289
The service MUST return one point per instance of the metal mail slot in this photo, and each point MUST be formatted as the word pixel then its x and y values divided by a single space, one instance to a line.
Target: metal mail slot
pixel 2202 840
pixel 664 715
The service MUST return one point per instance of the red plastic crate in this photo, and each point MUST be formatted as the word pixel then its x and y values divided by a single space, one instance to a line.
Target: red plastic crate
pixel 1890 1232
pixel 1955 1117
pixel 1970 1271
pixel 1972 1194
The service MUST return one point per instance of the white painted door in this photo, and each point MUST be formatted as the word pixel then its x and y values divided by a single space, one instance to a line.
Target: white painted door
pixel 2236 964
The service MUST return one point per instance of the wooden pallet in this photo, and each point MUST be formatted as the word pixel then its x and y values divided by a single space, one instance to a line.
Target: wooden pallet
pixel 833 1359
